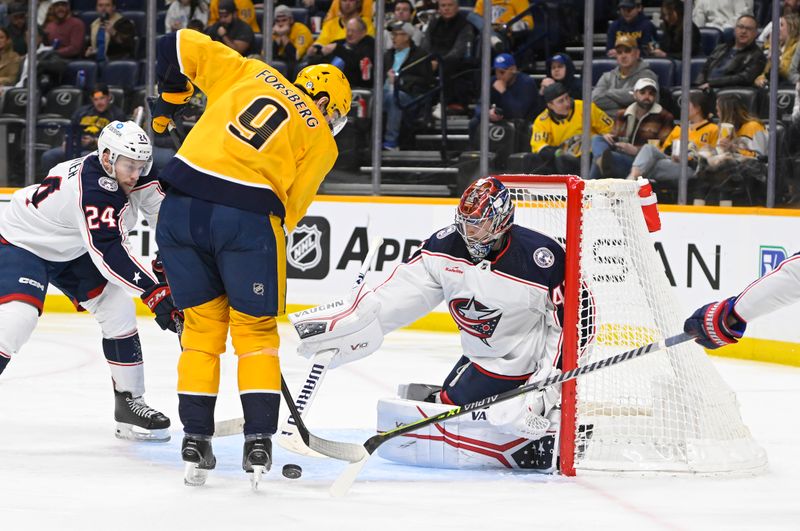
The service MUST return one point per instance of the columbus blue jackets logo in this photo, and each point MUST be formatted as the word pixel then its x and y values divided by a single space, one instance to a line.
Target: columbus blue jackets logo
pixel 308 249
pixel 543 257
pixel 474 318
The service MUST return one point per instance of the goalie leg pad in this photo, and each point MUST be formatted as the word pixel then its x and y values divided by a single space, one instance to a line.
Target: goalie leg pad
pixel 465 442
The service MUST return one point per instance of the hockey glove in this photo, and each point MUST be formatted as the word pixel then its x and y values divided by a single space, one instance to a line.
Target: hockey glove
pixel 709 326
pixel 158 268
pixel 166 105
pixel 159 299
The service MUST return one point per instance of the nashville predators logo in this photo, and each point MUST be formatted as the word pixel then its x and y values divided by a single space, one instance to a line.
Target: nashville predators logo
pixel 304 250
pixel 475 318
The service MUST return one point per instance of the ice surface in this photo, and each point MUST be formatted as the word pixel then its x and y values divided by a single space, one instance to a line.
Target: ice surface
pixel 62 469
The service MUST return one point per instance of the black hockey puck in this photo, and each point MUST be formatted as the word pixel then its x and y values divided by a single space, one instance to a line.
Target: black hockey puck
pixel 292 471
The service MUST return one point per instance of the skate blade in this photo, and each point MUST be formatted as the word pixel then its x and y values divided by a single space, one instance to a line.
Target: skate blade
pixel 255 475
pixel 129 432
pixel 194 476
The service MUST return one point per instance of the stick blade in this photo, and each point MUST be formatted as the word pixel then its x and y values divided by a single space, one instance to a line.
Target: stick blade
pixel 338 450
pixel 226 428
pixel 295 444
pixel 348 477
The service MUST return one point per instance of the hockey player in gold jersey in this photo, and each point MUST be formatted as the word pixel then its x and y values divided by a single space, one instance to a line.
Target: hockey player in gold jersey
pixel 242 179
pixel 557 132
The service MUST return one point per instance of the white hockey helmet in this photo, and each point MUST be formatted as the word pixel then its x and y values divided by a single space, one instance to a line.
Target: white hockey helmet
pixel 128 139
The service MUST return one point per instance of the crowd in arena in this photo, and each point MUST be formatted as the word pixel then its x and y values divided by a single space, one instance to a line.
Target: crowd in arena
pixel 91 70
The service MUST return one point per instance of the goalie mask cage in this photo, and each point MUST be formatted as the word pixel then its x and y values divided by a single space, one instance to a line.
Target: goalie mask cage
pixel 669 411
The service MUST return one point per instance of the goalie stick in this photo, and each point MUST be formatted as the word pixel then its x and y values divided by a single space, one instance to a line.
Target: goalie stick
pixel 289 437
pixel 348 477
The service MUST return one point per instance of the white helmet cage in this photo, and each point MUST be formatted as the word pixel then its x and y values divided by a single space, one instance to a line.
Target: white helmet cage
pixel 128 139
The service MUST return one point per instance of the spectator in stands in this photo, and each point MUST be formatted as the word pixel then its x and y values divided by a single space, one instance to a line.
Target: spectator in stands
pixel 408 74
pixel 643 122
pixel 789 59
pixel 513 96
pixel 735 64
pixel 560 68
pixel 113 36
pixel 557 132
pixel 631 23
pixel 231 31
pixel 287 32
pixel 87 122
pixel 720 14
pixel 180 12
pixel 614 89
pixel 65 33
pixel 17 24
pixel 503 11
pixel 356 51
pixel 663 165
pixel 9 61
pixel 403 12
pixel 450 36
pixel 365 10
pixel 245 12
pixel 790 7
pixel 335 29
pixel 671 42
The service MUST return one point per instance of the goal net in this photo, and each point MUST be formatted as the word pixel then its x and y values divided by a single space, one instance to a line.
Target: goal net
pixel 669 411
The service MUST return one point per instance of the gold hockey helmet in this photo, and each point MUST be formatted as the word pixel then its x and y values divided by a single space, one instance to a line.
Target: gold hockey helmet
pixel 327 80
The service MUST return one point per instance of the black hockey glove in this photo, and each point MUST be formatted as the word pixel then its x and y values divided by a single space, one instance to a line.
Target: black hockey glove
pixel 709 325
pixel 159 299
pixel 163 108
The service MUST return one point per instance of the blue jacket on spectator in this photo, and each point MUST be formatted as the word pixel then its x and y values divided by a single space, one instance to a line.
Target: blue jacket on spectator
pixel 642 29
pixel 520 100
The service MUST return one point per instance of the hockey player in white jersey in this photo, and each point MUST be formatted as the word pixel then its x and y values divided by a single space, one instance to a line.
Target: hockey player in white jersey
pixel 71 231
pixel 503 286
pixel 723 323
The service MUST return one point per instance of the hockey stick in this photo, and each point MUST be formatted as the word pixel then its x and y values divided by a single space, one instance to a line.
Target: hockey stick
pixel 288 437
pixel 348 477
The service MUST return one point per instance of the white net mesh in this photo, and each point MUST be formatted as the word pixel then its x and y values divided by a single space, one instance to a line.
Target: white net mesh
pixel 667 411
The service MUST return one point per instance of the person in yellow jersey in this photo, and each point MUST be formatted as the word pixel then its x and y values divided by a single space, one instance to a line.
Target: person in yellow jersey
pixel 287 31
pixel 557 131
pixel 662 165
pixel 244 8
pixel 336 28
pixel 243 178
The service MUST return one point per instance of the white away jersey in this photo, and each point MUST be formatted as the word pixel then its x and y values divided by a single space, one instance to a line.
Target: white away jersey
pixel 508 309
pixel 776 289
pixel 77 209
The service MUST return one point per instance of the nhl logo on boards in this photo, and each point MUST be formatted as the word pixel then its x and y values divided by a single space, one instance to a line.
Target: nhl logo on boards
pixel 307 249
pixel 107 183
pixel 258 288
pixel 543 257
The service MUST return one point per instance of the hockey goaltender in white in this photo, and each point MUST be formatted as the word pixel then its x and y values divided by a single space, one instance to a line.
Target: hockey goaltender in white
pixel 503 285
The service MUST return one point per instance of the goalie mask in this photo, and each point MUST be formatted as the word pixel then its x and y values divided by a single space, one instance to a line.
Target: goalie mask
pixel 484 214
pixel 128 140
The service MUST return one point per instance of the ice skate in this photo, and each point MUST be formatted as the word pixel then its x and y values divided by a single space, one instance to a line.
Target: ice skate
pixel 136 421
pixel 257 457
pixel 199 458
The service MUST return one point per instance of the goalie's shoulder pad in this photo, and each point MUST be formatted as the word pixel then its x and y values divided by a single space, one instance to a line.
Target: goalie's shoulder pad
pixel 337 318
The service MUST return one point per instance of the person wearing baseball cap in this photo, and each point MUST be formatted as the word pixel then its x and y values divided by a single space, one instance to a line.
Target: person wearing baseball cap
pixel 229 29
pixel 557 132
pixel 245 11
pixel 288 33
pixel 631 22
pixel 416 79
pixel 644 121
pixel 614 89
pixel 513 96
pixel 561 68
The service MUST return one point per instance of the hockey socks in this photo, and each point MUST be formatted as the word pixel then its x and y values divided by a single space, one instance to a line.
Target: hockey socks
pixel 124 357
pixel 4 359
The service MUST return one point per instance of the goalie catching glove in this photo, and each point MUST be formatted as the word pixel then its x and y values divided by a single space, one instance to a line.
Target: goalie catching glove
pixel 527 415
pixel 715 325
pixel 159 299
pixel 349 326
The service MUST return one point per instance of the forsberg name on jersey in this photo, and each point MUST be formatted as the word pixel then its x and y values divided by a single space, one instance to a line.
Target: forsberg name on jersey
pixel 291 95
